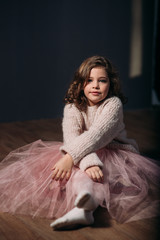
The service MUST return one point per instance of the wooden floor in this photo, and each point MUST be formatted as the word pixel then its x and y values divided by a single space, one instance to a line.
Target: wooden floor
pixel 143 125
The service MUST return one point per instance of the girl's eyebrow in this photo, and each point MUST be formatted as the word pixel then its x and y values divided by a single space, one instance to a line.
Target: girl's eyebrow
pixel 100 77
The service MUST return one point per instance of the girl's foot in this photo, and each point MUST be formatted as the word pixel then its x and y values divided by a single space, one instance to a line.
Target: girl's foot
pixel 85 200
pixel 77 216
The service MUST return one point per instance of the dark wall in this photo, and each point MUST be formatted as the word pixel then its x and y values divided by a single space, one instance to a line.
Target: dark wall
pixel 43 42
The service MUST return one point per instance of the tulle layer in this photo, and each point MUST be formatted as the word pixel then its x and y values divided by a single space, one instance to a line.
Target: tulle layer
pixel 129 191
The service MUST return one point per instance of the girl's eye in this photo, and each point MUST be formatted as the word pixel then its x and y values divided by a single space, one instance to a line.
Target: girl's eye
pixel 103 80
pixel 89 80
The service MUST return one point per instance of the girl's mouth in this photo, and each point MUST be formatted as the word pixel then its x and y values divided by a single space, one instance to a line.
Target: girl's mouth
pixel 95 93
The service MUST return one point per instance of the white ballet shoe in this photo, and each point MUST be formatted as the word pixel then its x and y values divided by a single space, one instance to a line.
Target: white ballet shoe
pixel 85 200
pixel 75 217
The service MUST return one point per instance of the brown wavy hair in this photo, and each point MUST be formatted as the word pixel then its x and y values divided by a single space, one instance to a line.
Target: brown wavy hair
pixel 75 93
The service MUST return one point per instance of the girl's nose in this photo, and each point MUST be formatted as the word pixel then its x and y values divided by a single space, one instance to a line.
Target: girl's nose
pixel 95 84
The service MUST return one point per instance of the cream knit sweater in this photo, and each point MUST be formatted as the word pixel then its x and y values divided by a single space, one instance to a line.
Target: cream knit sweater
pixel 101 126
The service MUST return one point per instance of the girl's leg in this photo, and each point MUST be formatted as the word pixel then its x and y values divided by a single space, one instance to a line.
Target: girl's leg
pixel 81 186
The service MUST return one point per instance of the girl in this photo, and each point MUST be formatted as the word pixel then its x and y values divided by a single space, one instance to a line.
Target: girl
pixel 99 165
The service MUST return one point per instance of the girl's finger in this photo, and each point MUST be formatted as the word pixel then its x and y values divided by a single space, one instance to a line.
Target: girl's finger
pixel 54 167
pixel 100 172
pixel 54 173
pixel 98 177
pixel 62 176
pixel 101 175
pixel 58 175
pixel 68 174
pixel 93 176
pixel 88 173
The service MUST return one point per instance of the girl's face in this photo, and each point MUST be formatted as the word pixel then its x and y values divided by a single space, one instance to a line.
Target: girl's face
pixel 97 86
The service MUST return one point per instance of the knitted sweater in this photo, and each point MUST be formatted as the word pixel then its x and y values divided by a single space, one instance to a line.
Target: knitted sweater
pixel 101 126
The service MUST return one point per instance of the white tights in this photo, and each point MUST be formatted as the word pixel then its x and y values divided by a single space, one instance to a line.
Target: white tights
pixel 85 203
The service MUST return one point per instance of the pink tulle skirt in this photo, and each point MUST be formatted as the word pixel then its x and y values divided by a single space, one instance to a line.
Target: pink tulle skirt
pixel 129 190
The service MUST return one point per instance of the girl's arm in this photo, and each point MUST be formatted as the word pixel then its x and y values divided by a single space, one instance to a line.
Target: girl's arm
pixel 90 160
pixel 72 124
pixel 92 165
pixel 72 128
pixel 103 130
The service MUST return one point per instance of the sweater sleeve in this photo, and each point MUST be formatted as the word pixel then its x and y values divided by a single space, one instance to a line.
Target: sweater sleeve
pixel 72 127
pixel 90 160
pixel 72 124
pixel 103 130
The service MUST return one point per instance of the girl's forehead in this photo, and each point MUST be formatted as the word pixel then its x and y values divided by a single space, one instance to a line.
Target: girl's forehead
pixel 98 70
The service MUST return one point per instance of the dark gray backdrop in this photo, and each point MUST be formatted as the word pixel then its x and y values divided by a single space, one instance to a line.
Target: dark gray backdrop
pixel 43 42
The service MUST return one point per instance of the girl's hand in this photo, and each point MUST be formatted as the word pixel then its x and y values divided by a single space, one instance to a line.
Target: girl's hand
pixel 95 173
pixel 63 168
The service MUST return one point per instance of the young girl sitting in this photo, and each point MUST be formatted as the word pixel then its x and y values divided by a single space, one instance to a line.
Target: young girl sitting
pixel 97 164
